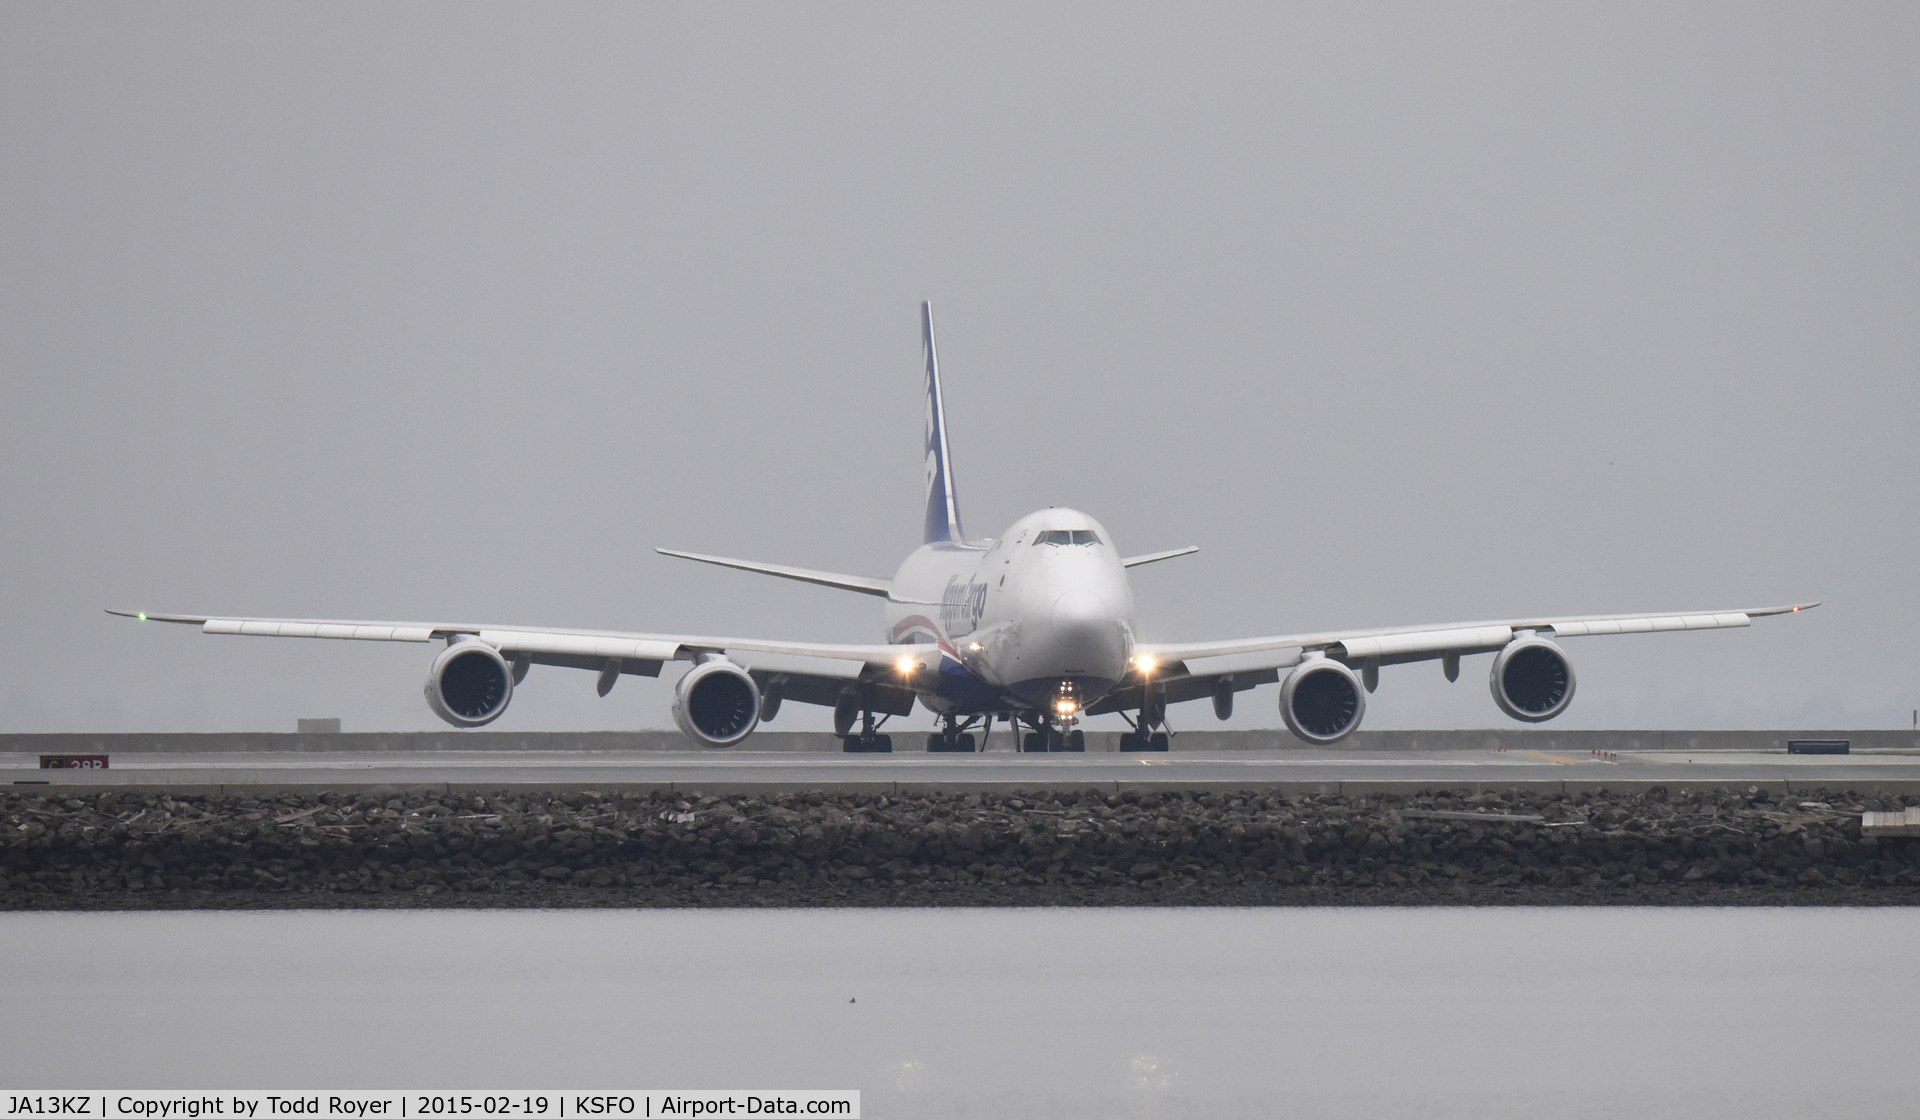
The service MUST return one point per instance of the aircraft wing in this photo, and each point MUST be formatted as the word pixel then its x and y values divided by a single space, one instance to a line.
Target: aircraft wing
pixel 1395 645
pixel 1192 670
pixel 1181 684
pixel 580 649
pixel 825 688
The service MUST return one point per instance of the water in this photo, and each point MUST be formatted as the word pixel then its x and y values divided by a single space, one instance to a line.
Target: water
pixel 1692 1013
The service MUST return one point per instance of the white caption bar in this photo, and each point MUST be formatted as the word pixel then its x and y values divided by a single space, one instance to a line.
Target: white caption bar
pixel 415 1104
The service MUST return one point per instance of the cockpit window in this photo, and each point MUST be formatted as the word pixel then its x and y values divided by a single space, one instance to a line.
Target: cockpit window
pixel 1066 536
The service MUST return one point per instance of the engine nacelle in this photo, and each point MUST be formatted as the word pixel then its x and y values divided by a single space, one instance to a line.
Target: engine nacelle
pixel 716 703
pixel 469 684
pixel 1322 701
pixel 1532 680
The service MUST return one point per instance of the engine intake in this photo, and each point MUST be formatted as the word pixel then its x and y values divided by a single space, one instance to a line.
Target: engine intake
pixel 469 684
pixel 1322 701
pixel 716 703
pixel 1532 680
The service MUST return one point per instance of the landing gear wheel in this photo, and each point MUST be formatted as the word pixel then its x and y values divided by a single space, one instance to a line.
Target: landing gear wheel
pixel 950 744
pixel 1159 741
pixel 1141 741
pixel 1035 742
pixel 1076 741
pixel 868 744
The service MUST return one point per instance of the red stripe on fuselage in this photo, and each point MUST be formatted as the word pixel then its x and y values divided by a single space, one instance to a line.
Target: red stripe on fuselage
pixel 920 621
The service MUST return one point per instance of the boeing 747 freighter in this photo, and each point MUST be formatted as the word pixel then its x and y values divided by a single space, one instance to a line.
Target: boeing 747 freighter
pixel 1034 628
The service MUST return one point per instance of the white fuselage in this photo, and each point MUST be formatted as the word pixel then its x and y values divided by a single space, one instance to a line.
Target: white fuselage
pixel 1038 619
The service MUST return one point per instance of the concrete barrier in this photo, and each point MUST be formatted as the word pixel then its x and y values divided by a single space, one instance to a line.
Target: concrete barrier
pixel 1513 739
pixel 1778 787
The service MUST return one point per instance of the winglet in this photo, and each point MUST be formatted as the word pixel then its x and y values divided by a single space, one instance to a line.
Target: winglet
pixel 1790 608
pixel 145 616
pixel 943 509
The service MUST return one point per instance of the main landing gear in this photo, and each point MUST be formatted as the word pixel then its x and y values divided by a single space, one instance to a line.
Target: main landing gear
pixel 869 740
pixel 952 738
pixel 1143 737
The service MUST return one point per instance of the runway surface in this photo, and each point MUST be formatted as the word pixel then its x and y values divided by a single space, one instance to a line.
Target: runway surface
pixel 1350 770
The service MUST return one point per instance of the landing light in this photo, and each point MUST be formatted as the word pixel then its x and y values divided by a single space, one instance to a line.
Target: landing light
pixel 975 647
pixel 1065 707
pixel 905 665
pixel 1145 664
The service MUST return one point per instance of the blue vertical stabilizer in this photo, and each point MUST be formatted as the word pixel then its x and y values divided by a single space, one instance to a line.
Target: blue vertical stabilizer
pixel 943 510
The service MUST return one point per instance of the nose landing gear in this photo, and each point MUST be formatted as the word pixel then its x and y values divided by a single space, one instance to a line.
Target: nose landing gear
pixel 1051 728
pixel 1059 732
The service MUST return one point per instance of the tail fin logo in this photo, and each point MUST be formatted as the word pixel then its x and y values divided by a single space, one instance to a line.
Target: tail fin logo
pixel 933 452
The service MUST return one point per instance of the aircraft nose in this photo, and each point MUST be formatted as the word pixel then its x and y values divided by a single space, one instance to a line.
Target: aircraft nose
pixel 1087 635
pixel 1077 608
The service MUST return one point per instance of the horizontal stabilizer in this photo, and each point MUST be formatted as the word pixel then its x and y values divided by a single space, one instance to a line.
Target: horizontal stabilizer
pixel 805 575
pixel 1136 561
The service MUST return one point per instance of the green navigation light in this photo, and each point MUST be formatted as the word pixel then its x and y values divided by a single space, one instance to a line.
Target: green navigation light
pixel 143 616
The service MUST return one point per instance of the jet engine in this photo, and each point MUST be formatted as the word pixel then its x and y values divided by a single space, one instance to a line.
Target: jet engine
pixel 1322 701
pixel 469 684
pixel 716 703
pixel 1532 680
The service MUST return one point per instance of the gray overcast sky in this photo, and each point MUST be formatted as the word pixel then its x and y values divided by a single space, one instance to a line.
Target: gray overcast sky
pixel 1405 313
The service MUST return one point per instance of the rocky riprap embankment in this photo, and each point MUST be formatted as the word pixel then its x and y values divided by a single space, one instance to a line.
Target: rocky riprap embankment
pixel 814 849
